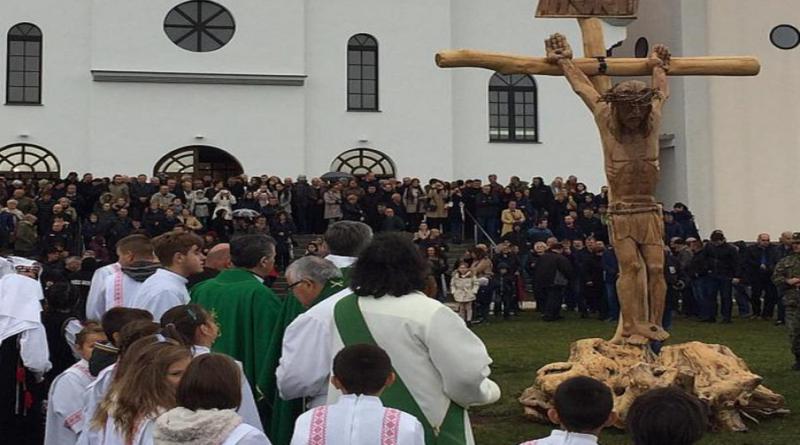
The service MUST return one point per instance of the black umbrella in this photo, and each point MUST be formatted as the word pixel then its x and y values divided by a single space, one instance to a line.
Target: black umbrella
pixel 336 176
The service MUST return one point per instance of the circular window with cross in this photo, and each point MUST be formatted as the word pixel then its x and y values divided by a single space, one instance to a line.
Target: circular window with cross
pixel 360 161
pixel 27 161
pixel 200 26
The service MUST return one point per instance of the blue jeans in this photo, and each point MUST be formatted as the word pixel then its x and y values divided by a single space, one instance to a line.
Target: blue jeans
pixel 699 294
pixel 613 301
pixel 722 286
pixel 742 300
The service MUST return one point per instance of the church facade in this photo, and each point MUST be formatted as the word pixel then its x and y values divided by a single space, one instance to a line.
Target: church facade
pixel 283 88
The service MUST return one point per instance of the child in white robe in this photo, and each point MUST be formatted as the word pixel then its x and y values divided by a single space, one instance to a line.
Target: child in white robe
pixel 207 399
pixel 127 414
pixel 583 406
pixel 194 326
pixel 361 372
pixel 65 403
pixel 667 415
pixel 110 286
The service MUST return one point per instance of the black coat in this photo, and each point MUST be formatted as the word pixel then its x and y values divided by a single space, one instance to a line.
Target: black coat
pixel 752 257
pixel 547 266
pixel 722 260
pixel 487 206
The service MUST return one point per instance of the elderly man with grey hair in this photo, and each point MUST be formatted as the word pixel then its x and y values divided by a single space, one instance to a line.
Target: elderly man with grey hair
pixel 312 282
pixel 309 276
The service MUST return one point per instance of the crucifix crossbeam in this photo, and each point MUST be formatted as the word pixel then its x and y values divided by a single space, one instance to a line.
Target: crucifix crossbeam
pixel 600 66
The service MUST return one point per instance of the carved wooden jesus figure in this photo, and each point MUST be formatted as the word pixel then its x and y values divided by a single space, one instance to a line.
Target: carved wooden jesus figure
pixel 628 117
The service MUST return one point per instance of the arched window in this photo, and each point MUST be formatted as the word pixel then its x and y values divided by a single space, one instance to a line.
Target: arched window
pixel 24 65
pixel 199 161
pixel 360 161
pixel 513 109
pixel 362 73
pixel 28 161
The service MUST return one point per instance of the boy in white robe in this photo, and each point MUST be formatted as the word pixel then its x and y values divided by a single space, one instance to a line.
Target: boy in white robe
pixel 131 249
pixel 583 406
pixel 65 406
pixel 181 258
pixel 361 372
pixel 123 285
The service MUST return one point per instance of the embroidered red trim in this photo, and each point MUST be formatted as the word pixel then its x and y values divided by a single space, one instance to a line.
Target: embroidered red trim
pixel 118 289
pixel 391 427
pixel 73 419
pixel 319 423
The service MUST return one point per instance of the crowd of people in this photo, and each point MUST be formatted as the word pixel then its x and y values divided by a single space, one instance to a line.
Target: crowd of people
pixel 119 290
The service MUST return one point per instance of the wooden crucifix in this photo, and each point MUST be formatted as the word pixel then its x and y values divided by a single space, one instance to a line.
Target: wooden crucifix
pixel 628 117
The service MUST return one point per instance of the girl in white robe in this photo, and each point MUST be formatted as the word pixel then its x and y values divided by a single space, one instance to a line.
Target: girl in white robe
pixel 194 326
pixel 207 398
pixel 127 413
pixel 65 403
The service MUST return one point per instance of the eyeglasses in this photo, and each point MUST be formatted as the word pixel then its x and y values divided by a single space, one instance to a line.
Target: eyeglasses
pixel 295 283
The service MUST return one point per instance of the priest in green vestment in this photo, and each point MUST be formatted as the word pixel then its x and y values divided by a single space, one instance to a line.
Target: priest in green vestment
pixel 246 310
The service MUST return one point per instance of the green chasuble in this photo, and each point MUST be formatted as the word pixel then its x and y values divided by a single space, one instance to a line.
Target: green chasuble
pixel 284 413
pixel 247 312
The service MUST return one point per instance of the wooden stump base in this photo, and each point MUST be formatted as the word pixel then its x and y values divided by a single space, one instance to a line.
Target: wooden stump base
pixel 713 373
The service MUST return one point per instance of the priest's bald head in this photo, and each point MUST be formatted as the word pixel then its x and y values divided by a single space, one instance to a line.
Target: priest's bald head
pixel 347 238
pixel 219 257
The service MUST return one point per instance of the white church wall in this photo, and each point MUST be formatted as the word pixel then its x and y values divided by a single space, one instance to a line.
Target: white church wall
pixel 753 123
pixel 261 126
pixel 414 125
pixel 129 35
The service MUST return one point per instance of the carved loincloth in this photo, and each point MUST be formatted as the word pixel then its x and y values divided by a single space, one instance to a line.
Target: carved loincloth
pixel 641 222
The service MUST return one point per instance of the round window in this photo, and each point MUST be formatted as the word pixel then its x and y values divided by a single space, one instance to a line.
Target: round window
pixel 642 49
pixel 200 26
pixel 785 37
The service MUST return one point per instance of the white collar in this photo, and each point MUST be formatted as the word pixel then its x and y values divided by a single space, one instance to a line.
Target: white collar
pixel 353 399
pixel 170 275
pixel 559 437
pixel 198 350
pixel 341 261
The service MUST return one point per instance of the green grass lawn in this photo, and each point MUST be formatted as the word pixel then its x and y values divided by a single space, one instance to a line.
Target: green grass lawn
pixel 522 345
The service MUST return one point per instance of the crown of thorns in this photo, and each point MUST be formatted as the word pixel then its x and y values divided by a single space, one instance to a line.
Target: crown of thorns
pixel 644 97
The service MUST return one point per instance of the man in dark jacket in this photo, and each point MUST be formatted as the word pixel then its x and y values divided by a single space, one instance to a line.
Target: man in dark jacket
pixel 487 212
pixel 569 230
pixel 392 223
pixel 302 201
pixel 553 272
pixel 722 261
pixel 591 276
pixel 541 196
pixel 672 228
pixel 759 264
